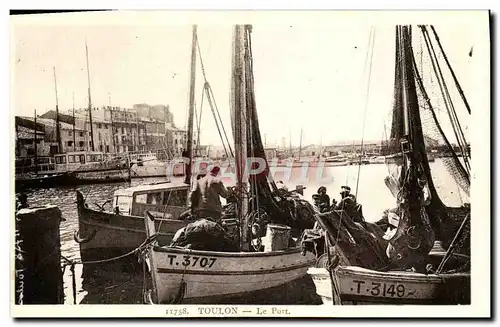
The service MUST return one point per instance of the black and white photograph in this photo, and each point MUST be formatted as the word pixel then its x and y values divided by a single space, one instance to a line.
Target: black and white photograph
pixel 250 164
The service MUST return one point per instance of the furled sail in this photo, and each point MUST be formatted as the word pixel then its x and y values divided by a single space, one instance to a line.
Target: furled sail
pixel 265 197
pixel 414 123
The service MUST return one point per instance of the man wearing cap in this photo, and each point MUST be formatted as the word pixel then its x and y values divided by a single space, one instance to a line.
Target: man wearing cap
pixel 349 205
pixel 322 200
pixel 205 197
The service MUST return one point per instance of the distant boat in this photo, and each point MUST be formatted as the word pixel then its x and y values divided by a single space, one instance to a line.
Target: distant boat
pixel 90 167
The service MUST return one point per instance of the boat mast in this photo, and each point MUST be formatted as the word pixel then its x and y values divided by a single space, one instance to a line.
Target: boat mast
pixel 36 164
pixel 300 143
pixel 192 82
pixel 239 107
pixel 112 125
pixel 74 122
pixel 90 99
pixel 58 128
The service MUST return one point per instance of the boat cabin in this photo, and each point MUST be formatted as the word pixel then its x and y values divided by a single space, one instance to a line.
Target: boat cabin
pixel 71 161
pixel 165 199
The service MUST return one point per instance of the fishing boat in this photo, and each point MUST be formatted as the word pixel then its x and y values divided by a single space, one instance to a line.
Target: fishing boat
pixel 189 275
pixel 403 266
pixel 35 172
pixel 104 234
pixel 148 164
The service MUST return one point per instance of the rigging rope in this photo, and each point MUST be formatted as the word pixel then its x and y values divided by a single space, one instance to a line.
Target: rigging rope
pixel 446 97
pixel 213 107
pixel 371 43
pixel 451 70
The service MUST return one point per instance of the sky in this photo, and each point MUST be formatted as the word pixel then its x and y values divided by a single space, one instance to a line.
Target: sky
pixel 310 76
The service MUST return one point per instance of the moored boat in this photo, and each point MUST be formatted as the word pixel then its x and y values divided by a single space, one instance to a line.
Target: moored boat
pixel 105 234
pixel 402 266
pixel 357 285
pixel 194 276
pixel 247 266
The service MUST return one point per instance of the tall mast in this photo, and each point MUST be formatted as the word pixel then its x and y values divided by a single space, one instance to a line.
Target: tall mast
pixel 74 122
pixel 90 99
pixel 300 143
pixel 239 107
pixel 321 143
pixel 58 129
pixel 35 139
pixel 112 125
pixel 191 107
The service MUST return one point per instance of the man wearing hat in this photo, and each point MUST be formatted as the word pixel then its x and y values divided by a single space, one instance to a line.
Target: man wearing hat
pixel 205 197
pixel 349 204
pixel 322 200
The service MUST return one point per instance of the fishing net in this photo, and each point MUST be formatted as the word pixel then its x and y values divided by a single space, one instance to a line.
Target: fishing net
pixel 424 126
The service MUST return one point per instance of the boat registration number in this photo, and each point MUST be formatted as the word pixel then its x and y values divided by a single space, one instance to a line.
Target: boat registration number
pixel 190 261
pixel 380 289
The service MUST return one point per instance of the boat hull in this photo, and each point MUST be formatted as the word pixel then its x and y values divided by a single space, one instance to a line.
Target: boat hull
pixel 362 286
pixel 99 176
pixel 104 235
pixel 22 184
pixel 151 170
pixel 192 276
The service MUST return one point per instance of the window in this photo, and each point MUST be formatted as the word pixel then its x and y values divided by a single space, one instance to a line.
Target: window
pixel 70 133
pixel 81 135
pixel 71 159
pixel 175 198
pixel 99 125
pixel 107 148
pixel 77 158
pixel 82 158
pixel 81 144
pixel 90 143
pixel 60 160
pixel 123 204
pixel 100 147
pixel 154 198
pixel 141 198
pixel 123 132
pixel 70 143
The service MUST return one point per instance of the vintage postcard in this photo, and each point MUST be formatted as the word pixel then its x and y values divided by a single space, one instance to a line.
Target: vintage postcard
pixel 251 164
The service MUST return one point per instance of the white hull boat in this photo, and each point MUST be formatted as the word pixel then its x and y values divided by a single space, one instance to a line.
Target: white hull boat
pixel 193 276
pixel 356 285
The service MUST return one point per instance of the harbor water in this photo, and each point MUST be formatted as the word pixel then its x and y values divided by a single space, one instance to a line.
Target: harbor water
pixel 120 285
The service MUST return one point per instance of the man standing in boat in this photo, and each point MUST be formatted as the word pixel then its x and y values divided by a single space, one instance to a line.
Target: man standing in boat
pixel 205 197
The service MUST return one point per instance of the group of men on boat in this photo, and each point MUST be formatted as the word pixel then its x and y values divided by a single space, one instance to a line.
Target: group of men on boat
pixel 347 202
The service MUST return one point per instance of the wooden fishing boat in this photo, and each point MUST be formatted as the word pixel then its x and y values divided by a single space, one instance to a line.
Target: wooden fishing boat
pixel 34 181
pixel 402 266
pixel 194 276
pixel 357 285
pixel 189 275
pixel 105 234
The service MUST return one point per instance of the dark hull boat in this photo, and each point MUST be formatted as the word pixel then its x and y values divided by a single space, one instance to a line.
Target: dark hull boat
pixel 23 183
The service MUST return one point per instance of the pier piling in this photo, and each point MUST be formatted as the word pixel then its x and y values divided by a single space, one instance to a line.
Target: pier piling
pixel 38 274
